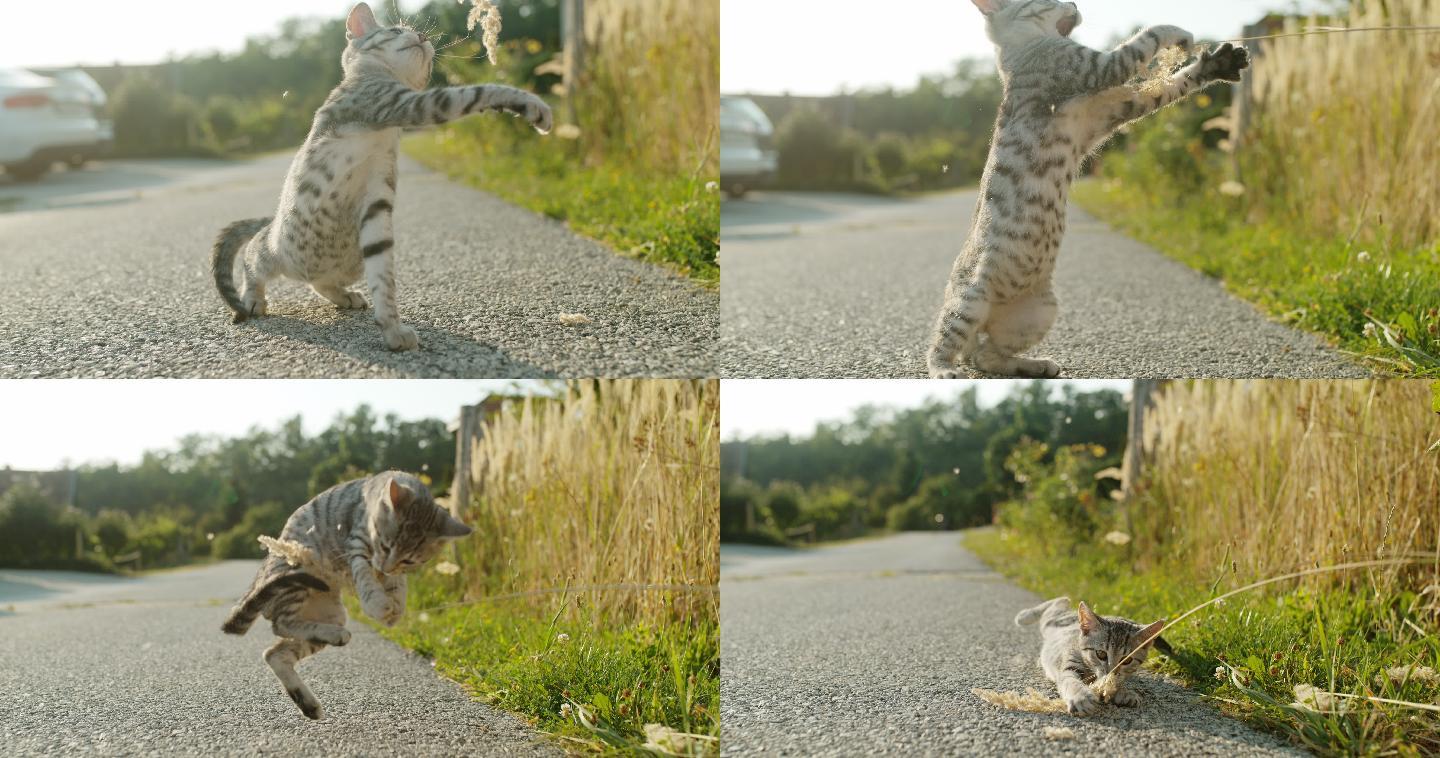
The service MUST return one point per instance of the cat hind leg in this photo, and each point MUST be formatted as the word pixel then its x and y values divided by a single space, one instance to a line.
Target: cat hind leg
pixel 258 271
pixel 281 658
pixel 344 299
pixel 1015 327
pixel 957 334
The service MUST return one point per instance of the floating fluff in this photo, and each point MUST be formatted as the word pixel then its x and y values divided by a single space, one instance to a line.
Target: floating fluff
pixel 1032 700
pixel 486 15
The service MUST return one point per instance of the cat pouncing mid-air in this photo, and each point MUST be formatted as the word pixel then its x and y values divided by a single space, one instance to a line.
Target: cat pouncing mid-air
pixel 1061 101
pixel 1079 648
pixel 362 535
pixel 333 226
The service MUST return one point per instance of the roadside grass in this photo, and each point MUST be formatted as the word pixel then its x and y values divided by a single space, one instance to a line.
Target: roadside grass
pixel 518 659
pixel 589 585
pixel 1376 302
pixel 1249 653
pixel 672 220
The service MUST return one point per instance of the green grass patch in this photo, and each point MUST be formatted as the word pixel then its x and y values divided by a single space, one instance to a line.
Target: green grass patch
pixel 1249 654
pixel 1379 304
pixel 546 668
pixel 666 219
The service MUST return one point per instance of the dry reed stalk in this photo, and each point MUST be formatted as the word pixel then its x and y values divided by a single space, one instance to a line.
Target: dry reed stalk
pixel 1349 122
pixel 1274 473
pixel 616 482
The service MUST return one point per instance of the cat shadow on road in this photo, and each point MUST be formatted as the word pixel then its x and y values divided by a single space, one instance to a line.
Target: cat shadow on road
pixel 442 353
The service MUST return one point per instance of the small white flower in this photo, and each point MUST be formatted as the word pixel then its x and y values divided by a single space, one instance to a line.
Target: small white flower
pixel 447 568
pixel 566 710
pixel 562 637
pixel 1362 256
pixel 567 131
pixel 712 186
pixel 1232 189
pixel 1369 330
pixel 424 617
pixel 1117 538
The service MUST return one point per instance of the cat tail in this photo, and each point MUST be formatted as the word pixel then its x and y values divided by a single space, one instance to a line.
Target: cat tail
pixel 258 598
pixel 1032 615
pixel 222 260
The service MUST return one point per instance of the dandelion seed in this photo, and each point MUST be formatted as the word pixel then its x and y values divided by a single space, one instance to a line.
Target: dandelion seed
pixel 285 94
pixel 447 568
pixel 568 131
pixel 573 319
pixel 1232 189
pixel 1117 538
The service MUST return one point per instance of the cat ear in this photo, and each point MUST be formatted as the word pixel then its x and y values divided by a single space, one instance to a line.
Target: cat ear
pixel 1150 631
pixel 361 22
pixel 397 494
pixel 988 7
pixel 1088 620
pixel 451 528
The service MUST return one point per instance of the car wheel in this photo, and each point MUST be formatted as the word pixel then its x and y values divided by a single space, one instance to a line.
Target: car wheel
pixel 736 191
pixel 29 171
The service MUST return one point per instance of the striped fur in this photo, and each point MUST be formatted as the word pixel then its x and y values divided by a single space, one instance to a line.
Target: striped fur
pixel 1078 647
pixel 334 227
pixel 1061 102
pixel 364 535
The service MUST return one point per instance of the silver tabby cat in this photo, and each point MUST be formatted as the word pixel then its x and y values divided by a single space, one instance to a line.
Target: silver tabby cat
pixel 1061 101
pixel 1078 648
pixel 363 536
pixel 333 225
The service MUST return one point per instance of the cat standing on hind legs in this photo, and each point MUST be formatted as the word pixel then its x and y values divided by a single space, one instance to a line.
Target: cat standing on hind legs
pixel 1061 101
pixel 362 535
pixel 333 226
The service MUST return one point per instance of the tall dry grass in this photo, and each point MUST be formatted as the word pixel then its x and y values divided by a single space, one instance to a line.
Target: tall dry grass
pixel 1278 475
pixel 652 82
pixel 615 482
pixel 1349 124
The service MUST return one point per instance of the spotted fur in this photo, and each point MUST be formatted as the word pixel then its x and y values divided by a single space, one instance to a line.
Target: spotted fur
pixel 363 536
pixel 1078 648
pixel 333 226
pixel 1061 102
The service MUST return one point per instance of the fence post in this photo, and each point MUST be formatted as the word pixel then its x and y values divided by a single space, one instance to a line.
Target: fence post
pixel 1242 94
pixel 572 32
pixel 1141 394
pixel 464 437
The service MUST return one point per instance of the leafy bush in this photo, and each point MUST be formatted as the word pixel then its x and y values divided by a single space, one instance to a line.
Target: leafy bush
pixel 240 540
pixel 940 503
pixel 1064 504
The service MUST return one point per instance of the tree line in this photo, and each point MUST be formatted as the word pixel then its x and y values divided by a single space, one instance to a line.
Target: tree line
pixel 208 496
pixel 946 464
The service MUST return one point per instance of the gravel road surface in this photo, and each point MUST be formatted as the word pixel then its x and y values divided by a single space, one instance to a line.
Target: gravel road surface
pixel 110 666
pixel 107 275
pixel 872 647
pixel 840 286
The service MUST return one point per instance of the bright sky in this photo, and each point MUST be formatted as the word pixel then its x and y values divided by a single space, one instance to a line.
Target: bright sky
pixel 148 31
pixel 818 47
pixel 49 422
pixel 783 406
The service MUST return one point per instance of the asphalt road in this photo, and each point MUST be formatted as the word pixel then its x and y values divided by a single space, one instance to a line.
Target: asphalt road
pixel 872 647
pixel 106 275
pixel 110 666
pixel 839 286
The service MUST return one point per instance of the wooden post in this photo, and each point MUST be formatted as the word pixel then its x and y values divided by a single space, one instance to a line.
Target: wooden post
pixel 464 443
pixel 572 33
pixel 1141 395
pixel 1241 96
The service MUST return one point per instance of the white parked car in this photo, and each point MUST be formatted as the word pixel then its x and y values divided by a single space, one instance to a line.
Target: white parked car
pixel 747 146
pixel 48 119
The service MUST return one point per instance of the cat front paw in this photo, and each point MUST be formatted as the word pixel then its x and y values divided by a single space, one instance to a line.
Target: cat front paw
pixel 400 337
pixel 1084 702
pixel 539 115
pixel 1224 63
pixel 1125 698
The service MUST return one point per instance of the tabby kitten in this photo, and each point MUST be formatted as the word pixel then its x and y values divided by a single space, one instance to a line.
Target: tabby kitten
pixel 1079 648
pixel 1061 101
pixel 362 535
pixel 334 224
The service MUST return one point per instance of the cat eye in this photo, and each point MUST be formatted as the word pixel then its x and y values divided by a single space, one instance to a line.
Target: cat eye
pixel 1102 655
